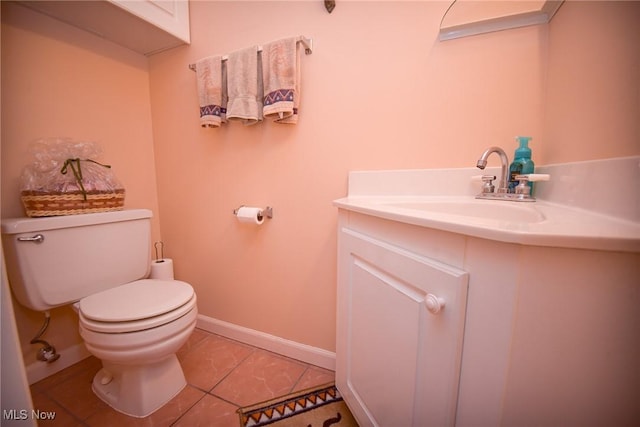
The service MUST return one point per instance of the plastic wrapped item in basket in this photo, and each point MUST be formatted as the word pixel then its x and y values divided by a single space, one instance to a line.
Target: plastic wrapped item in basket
pixel 65 178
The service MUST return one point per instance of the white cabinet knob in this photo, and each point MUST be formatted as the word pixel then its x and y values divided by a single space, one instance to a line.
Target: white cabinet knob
pixel 434 304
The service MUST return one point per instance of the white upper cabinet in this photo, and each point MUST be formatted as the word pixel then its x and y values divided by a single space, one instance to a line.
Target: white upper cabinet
pixel 145 26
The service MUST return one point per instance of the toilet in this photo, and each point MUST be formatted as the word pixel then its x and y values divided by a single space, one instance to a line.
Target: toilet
pixel 99 263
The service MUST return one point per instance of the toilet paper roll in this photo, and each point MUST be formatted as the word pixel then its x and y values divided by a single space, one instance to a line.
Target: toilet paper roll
pixel 250 215
pixel 162 269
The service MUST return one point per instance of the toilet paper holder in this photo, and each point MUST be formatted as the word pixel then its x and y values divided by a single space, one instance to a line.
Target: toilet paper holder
pixel 267 212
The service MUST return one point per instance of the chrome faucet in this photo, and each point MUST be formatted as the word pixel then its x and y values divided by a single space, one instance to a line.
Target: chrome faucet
pixel 503 187
pixel 522 192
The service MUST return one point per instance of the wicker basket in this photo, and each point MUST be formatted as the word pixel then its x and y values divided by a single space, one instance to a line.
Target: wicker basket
pixel 38 203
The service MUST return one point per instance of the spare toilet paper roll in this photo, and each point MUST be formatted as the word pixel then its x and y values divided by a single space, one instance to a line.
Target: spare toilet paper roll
pixel 162 269
pixel 250 215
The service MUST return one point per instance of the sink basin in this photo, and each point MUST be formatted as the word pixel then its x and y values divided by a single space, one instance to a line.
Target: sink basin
pixel 444 199
pixel 491 210
pixel 539 223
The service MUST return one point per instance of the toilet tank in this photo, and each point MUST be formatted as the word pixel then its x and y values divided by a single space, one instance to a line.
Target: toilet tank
pixel 77 256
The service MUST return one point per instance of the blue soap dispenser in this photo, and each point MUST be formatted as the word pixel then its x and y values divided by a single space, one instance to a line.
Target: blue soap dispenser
pixel 522 163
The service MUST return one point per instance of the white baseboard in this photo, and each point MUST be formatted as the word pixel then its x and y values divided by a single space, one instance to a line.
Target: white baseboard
pixel 295 350
pixel 38 370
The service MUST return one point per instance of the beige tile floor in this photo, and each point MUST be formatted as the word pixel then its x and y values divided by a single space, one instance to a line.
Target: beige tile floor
pixel 222 375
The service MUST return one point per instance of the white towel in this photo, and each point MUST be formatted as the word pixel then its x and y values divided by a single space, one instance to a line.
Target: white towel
pixel 281 74
pixel 244 86
pixel 211 91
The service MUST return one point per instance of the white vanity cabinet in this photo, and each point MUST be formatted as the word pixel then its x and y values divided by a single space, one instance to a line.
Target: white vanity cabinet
pixel 528 335
pixel 400 328
pixel 145 26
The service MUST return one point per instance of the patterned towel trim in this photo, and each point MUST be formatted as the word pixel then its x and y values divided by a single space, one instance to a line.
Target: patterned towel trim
pixel 279 95
pixel 212 110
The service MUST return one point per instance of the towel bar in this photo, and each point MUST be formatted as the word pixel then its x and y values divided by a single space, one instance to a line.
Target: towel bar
pixel 306 42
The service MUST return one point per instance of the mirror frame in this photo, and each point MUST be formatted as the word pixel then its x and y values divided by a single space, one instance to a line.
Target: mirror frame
pixel 474 24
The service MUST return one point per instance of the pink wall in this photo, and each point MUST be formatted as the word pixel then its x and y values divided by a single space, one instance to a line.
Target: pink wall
pixel 379 92
pixel 58 81
pixel 592 110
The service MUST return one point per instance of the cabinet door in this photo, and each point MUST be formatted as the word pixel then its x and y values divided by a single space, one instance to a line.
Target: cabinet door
pixel 145 26
pixel 170 15
pixel 398 357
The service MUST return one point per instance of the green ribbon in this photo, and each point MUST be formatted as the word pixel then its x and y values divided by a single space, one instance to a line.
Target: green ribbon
pixel 74 164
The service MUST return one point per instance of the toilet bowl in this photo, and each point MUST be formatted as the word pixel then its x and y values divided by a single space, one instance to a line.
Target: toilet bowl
pixel 98 262
pixel 135 330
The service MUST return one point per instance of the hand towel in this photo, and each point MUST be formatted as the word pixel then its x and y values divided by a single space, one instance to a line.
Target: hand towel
pixel 211 91
pixel 244 86
pixel 281 74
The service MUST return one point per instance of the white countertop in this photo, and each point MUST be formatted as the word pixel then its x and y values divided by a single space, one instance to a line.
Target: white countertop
pixel 586 205
pixel 543 224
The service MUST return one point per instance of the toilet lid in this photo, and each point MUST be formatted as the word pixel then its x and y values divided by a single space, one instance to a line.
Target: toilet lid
pixel 137 300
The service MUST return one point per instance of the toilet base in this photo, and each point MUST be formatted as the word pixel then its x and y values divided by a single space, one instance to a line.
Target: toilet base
pixel 139 390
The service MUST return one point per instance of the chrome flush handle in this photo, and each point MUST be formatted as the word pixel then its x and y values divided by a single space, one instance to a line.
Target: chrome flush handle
pixel 38 238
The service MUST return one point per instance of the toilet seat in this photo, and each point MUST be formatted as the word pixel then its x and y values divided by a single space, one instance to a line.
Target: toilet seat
pixel 136 306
